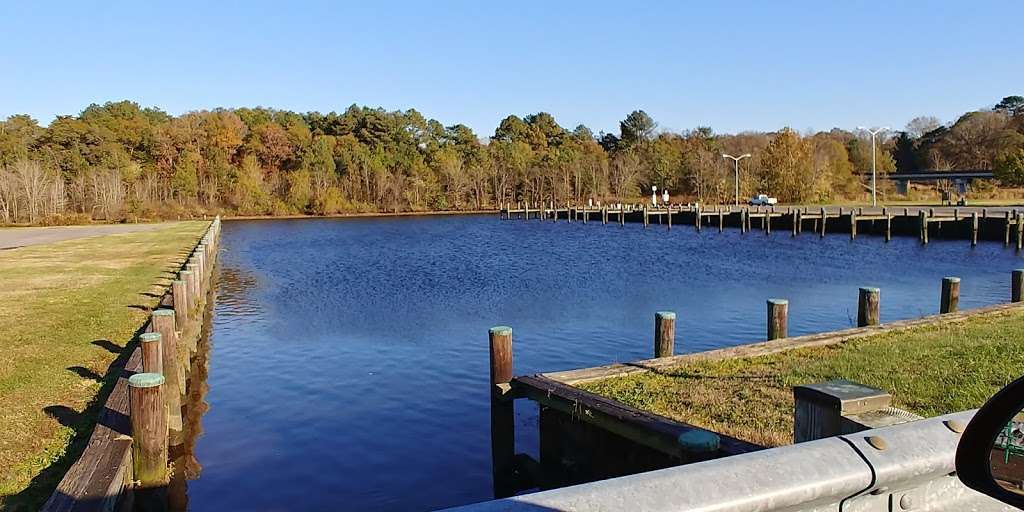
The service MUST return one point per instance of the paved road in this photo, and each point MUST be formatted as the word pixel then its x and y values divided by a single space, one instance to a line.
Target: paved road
pixel 20 237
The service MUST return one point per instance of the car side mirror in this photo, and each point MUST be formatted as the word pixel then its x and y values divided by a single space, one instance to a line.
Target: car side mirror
pixel 990 455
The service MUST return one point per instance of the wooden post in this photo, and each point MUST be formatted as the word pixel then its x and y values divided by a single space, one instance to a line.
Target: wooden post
pixel 778 318
pixel 867 307
pixel 149 429
pixel 923 220
pixel 824 217
pixel 721 221
pixel 1017 286
pixel 767 221
pixel 950 301
pixel 646 221
pixel 796 220
pixel 200 260
pixel 1020 231
pixel 888 227
pixel 174 367
pixel 502 413
pixel 1006 240
pixel 622 215
pixel 853 225
pixel 152 356
pixel 664 333
pixel 181 304
pixel 974 228
pixel 187 277
pixel 193 283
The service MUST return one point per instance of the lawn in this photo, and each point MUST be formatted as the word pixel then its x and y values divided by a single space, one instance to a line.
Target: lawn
pixel 69 309
pixel 929 370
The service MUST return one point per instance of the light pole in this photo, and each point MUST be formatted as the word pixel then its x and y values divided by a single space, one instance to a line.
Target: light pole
pixel 736 169
pixel 874 200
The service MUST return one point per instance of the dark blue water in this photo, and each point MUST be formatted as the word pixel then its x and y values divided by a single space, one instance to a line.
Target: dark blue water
pixel 349 357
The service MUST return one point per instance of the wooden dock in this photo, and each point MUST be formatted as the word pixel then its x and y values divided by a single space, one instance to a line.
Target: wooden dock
pixel 586 437
pixel 925 222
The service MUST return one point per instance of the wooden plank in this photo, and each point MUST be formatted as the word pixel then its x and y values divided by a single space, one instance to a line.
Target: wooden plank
pixel 95 482
pixel 579 376
pixel 648 429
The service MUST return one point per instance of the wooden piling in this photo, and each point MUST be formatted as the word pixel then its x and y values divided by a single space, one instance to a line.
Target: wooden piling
pixel 721 221
pixel 796 220
pixel 646 220
pixel 1006 239
pixel 824 219
pixel 1017 285
pixel 1020 231
pixel 502 412
pixel 853 225
pixel 767 221
pixel 149 429
pixel 668 213
pixel 175 368
pixel 888 227
pixel 923 221
pixel 868 307
pixel 950 301
pixel 192 280
pixel 778 318
pixel 974 228
pixel 664 333
pixel 152 355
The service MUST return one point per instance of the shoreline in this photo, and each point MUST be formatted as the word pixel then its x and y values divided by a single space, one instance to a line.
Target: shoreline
pixel 361 215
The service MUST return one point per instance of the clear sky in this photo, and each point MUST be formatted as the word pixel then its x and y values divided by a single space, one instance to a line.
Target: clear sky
pixel 728 64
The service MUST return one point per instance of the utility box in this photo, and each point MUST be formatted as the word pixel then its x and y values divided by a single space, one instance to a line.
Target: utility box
pixel 841 407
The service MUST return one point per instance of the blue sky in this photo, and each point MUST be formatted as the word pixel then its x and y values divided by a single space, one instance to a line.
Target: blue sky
pixel 731 65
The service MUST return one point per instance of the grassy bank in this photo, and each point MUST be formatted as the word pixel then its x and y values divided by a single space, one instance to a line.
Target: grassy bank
pixel 929 370
pixel 68 309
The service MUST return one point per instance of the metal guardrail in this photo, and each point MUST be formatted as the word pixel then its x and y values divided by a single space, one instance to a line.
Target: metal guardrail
pixel 903 467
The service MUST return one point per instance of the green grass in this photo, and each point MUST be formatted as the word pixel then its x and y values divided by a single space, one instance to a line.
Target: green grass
pixel 68 310
pixel 929 371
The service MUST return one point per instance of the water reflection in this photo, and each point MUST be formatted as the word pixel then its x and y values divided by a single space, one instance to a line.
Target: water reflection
pixel 185 465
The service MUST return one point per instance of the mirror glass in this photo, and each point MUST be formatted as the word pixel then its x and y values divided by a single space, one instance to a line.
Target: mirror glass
pixel 1007 457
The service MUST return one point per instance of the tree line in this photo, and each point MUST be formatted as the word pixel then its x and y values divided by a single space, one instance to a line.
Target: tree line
pixel 120 160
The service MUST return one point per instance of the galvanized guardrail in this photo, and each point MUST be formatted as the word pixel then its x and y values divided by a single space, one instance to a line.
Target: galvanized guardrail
pixel 903 467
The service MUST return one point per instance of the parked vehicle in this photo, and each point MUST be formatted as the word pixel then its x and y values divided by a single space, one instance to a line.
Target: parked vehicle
pixel 762 200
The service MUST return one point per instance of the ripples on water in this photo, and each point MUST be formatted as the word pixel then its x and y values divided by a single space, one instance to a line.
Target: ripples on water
pixel 349 360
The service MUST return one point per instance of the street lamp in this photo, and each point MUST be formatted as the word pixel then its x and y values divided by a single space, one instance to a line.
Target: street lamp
pixel 874 200
pixel 736 169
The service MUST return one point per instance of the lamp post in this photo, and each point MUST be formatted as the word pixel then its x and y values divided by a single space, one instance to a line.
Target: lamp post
pixel 874 200
pixel 736 169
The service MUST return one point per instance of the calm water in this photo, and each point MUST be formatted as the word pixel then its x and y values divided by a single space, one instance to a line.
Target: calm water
pixel 348 368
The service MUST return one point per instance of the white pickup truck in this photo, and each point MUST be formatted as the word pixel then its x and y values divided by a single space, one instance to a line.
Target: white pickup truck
pixel 762 200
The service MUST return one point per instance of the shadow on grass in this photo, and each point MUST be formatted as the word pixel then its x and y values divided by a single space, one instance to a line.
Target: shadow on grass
pixel 85 373
pixel 109 346
pixel 676 374
pixel 43 484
